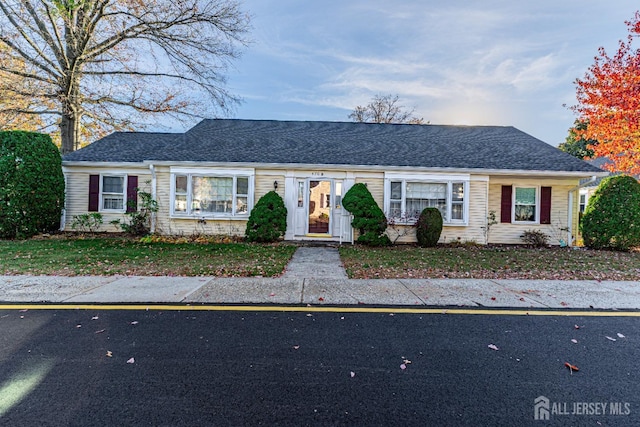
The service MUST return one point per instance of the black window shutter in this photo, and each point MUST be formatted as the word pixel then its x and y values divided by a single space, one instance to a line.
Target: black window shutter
pixel 132 193
pixel 94 192
pixel 505 204
pixel 545 205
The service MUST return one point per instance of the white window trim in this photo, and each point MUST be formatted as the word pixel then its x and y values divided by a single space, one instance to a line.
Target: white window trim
pixel 210 173
pixel 449 180
pixel 124 193
pixel 537 207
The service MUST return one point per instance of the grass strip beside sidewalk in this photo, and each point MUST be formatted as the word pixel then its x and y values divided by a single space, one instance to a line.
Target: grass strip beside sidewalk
pixel 110 256
pixel 479 262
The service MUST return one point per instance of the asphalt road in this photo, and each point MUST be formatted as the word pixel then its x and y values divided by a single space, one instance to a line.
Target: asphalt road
pixel 146 367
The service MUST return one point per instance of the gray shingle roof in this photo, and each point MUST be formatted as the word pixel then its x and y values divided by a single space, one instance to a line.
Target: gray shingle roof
pixel 338 143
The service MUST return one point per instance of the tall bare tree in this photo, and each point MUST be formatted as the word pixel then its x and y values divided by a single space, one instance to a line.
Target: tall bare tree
pixel 384 109
pixel 107 64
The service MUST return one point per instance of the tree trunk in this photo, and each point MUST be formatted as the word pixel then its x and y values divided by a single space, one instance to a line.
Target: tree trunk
pixel 69 127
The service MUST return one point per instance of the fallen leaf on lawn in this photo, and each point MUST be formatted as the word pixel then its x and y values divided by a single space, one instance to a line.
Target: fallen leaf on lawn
pixel 574 341
pixel 100 331
pixel 109 354
pixel 403 366
pixel 94 318
pixel 353 374
pixel 132 360
pixel 620 335
pixel 571 367
pixel 135 322
pixel 611 339
pixel 493 347
pixel 295 347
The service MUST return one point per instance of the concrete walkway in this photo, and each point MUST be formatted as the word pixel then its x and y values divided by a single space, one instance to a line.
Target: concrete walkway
pixel 315 276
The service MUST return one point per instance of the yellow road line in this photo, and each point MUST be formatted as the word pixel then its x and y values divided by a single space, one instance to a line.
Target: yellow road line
pixel 321 309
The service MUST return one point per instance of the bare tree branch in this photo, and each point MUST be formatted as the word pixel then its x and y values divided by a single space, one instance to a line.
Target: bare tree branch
pixel 110 63
pixel 384 109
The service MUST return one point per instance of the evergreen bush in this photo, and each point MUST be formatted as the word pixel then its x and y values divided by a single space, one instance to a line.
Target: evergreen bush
pixel 611 219
pixel 268 219
pixel 368 218
pixel 429 227
pixel 31 184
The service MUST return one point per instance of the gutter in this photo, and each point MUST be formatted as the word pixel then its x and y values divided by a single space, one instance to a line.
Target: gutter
pixel 154 191
pixel 570 210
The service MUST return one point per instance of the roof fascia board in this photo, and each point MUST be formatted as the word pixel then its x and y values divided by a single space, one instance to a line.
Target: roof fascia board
pixel 381 168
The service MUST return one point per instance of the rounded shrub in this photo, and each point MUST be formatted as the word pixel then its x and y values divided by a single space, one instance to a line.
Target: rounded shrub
pixel 429 227
pixel 368 218
pixel 31 184
pixel 611 219
pixel 268 220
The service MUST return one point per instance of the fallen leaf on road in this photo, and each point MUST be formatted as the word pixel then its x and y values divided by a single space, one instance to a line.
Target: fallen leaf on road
pixel 493 347
pixel 100 331
pixel 132 360
pixel 611 339
pixel 493 298
pixel 564 304
pixel 353 374
pixel 272 294
pixel 576 327
pixel 620 335
pixel 406 361
pixel 574 341
pixel 295 347
pixel 94 318
pixel 309 315
pixel 78 326
pixel 109 354
pixel 135 322
pixel 571 367
pixel 403 366
pixel 24 311
pixel 320 299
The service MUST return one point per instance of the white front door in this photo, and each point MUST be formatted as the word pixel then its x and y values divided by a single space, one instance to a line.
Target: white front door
pixel 318 207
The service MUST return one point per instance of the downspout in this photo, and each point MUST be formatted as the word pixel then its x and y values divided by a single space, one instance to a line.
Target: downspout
pixel 154 188
pixel 570 213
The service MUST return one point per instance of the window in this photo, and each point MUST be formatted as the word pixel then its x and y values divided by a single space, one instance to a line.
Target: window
pixel 210 196
pixel 407 199
pixel 112 195
pixel 583 202
pixel 524 207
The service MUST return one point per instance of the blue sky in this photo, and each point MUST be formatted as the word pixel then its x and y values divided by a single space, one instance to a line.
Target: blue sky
pixel 492 62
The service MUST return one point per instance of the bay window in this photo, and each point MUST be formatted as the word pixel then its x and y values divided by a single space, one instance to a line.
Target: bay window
pixel 205 195
pixel 406 198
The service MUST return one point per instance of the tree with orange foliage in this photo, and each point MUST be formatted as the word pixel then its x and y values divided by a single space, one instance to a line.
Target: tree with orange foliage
pixel 609 101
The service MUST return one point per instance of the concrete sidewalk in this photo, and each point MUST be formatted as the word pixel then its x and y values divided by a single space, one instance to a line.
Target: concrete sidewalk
pixel 316 276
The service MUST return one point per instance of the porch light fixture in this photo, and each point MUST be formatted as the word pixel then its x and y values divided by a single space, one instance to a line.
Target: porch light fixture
pixel 275 185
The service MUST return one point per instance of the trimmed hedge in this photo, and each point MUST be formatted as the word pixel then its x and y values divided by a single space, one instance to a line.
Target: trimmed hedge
pixel 368 218
pixel 268 220
pixel 31 184
pixel 611 219
pixel 429 227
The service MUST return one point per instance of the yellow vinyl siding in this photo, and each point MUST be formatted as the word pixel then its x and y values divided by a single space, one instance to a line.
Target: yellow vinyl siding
pixel 510 233
pixel 264 184
pixel 77 193
pixel 375 187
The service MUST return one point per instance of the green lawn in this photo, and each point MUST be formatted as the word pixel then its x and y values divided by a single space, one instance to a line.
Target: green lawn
pixel 489 263
pixel 108 256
